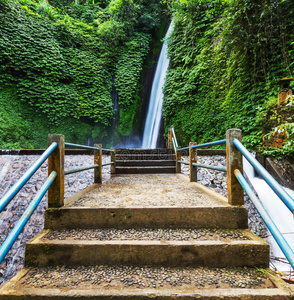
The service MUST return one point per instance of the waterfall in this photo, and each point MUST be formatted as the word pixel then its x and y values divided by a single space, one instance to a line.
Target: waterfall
pixel 278 211
pixel 154 115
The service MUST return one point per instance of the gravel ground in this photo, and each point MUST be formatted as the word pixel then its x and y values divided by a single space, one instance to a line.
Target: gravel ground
pixel 213 179
pixel 118 277
pixel 217 181
pixel 147 234
pixel 13 167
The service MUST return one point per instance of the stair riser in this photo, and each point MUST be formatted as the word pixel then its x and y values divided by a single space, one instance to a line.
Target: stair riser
pixel 146 170
pixel 141 163
pixel 154 217
pixel 182 255
pixel 144 157
pixel 200 152
pixel 144 151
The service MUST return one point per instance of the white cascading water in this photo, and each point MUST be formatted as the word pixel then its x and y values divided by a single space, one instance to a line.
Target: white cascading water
pixel 152 124
pixel 279 213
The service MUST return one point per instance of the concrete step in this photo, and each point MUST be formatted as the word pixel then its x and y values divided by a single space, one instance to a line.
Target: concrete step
pixel 150 217
pixel 71 248
pixel 125 156
pixel 145 170
pixel 126 282
pixel 149 201
pixel 129 151
pixel 143 163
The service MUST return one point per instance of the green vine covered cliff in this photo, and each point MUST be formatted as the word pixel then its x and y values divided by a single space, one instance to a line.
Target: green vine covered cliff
pixel 226 58
pixel 61 61
pixel 63 64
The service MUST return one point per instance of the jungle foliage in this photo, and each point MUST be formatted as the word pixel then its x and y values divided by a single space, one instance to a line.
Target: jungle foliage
pixel 226 57
pixel 60 61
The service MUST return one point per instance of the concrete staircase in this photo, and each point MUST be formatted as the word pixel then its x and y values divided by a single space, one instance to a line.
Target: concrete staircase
pixel 145 161
pixel 142 237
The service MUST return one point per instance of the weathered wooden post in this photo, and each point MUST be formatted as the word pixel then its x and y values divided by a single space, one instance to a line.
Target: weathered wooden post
pixel 178 158
pixel 192 159
pixel 170 137
pixel 56 163
pixel 98 161
pixel 234 161
pixel 113 160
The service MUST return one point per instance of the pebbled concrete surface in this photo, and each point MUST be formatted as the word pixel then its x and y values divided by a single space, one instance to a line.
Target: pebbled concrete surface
pixel 147 190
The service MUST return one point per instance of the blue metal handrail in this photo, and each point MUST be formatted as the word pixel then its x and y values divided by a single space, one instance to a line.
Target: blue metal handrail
pixel 221 169
pixel 67 172
pixel 9 241
pixel 107 164
pixel 174 137
pixel 72 171
pixel 282 194
pixel 174 144
pixel 211 144
pixel 86 147
pixel 281 241
pixel 5 200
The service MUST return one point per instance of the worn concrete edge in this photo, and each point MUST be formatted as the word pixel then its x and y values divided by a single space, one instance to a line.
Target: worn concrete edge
pixel 81 193
pixel 252 238
pixel 11 283
pixel 280 283
pixel 205 189
pixel 147 208
pixel 143 243
pixel 10 291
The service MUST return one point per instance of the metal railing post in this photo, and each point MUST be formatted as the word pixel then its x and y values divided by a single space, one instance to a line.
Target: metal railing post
pixel 170 137
pixel 98 161
pixel 178 158
pixel 234 161
pixel 192 159
pixel 56 163
pixel 113 160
